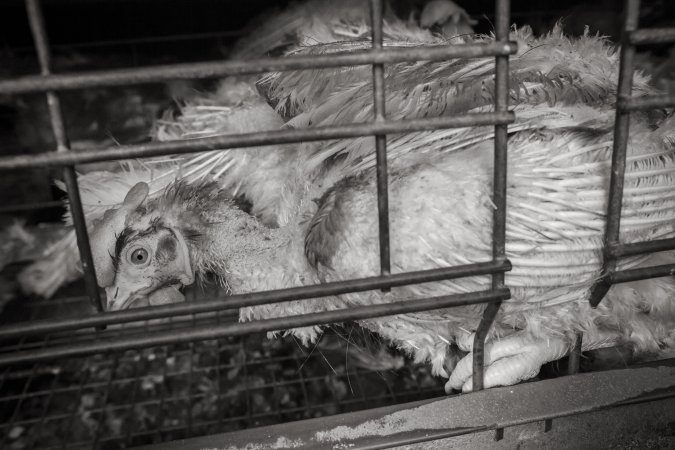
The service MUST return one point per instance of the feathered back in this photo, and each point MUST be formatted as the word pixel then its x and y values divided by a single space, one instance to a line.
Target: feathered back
pixel 553 69
pixel 258 173
pixel 548 71
pixel 550 68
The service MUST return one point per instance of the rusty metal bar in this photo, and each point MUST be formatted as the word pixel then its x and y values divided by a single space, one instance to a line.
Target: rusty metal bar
pixel 575 355
pixel 646 102
pixel 10 420
pixel 39 327
pixel 548 425
pixel 13 209
pixel 100 425
pixel 243 140
pixel 135 42
pixel 651 36
pixel 642 273
pixel 379 112
pixel 164 389
pixel 621 125
pixel 238 329
pixel 502 11
pixel 205 70
pixel 75 408
pixel 639 248
pixel 37 26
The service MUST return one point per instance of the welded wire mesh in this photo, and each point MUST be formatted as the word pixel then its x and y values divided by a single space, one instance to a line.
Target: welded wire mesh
pixel 177 391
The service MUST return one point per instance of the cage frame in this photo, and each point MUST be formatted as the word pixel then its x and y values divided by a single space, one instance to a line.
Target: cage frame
pixel 380 126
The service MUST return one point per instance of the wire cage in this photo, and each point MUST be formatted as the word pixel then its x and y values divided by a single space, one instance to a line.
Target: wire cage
pixel 191 369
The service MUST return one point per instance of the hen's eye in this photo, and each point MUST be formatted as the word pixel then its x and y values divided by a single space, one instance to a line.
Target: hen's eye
pixel 139 256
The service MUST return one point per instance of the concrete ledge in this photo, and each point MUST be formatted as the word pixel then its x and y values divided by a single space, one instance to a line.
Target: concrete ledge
pixel 477 414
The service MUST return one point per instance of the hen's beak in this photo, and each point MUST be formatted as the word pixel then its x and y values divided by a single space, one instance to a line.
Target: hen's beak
pixel 119 298
pixel 166 296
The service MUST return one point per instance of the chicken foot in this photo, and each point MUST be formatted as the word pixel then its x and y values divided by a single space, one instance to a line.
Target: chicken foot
pixel 517 357
pixel 507 361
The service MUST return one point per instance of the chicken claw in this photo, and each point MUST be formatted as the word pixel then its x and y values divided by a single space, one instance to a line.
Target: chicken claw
pixel 507 361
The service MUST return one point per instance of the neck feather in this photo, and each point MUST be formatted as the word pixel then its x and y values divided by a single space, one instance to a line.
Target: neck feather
pixel 248 255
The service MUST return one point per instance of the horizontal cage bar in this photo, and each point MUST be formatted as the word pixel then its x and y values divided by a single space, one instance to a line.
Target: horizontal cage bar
pixel 142 75
pixel 255 298
pixel 639 248
pixel 647 102
pixel 652 36
pixel 257 326
pixel 642 273
pixel 14 209
pixel 234 141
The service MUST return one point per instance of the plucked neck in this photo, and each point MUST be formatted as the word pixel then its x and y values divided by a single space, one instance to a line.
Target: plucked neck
pixel 247 254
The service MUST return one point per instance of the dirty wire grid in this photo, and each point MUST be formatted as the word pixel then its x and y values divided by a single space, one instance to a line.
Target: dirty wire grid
pixel 178 391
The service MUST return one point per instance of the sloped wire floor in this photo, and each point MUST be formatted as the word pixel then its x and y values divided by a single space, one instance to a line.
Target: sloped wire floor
pixel 171 392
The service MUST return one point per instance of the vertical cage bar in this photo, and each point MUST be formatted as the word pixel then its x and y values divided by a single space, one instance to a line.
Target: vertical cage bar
pixel 160 409
pixel 20 402
pixel 303 387
pixel 575 355
pixel 71 417
pixel 45 404
pixel 100 426
pixel 502 11
pixel 219 398
pixel 190 418
pixel 376 19
pixel 131 410
pixel 548 425
pixel 247 381
pixel 621 124
pixel 38 30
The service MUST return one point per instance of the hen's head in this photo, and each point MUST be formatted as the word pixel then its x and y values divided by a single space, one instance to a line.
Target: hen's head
pixel 447 16
pixel 142 249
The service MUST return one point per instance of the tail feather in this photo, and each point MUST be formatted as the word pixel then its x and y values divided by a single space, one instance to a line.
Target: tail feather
pixel 59 265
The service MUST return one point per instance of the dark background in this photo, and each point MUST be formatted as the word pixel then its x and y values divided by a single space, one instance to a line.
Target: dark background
pixel 156 26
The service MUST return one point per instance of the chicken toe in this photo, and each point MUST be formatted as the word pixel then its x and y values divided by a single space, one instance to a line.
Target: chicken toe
pixel 508 361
